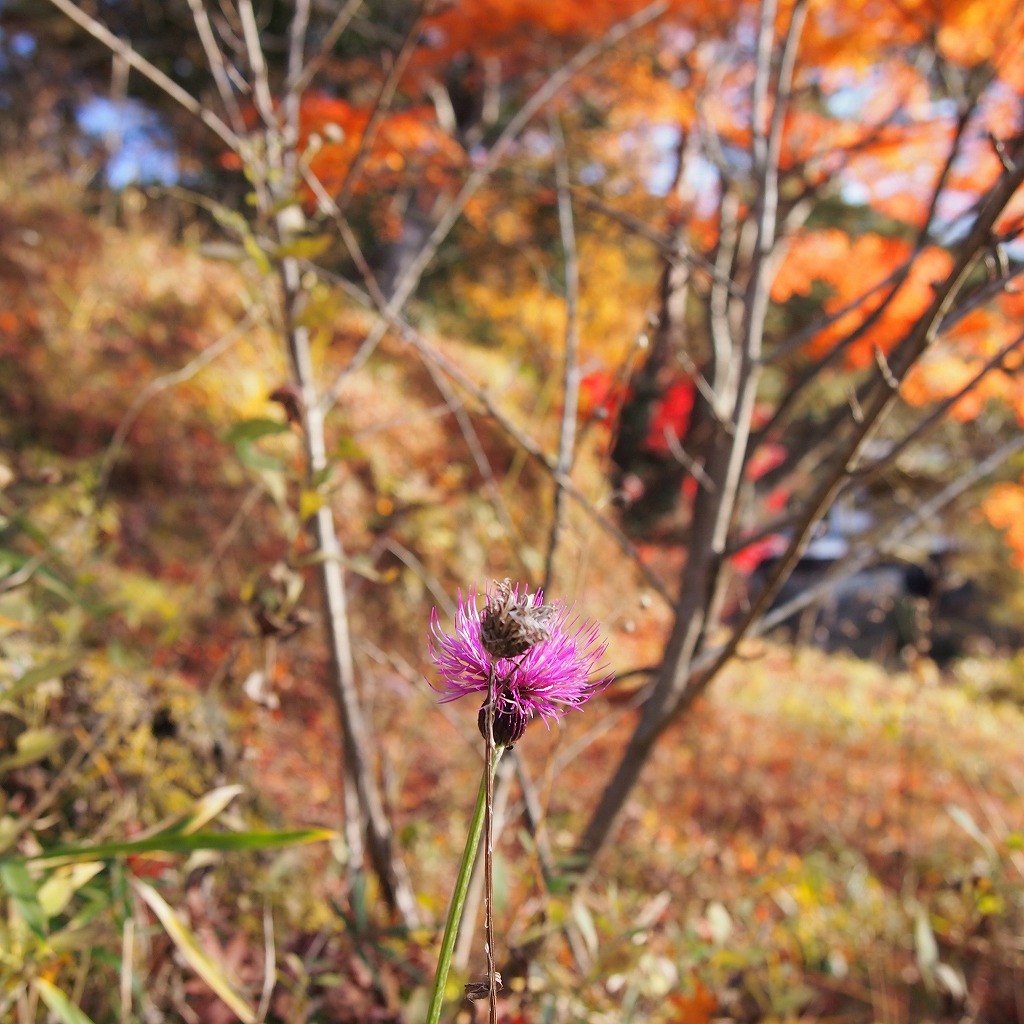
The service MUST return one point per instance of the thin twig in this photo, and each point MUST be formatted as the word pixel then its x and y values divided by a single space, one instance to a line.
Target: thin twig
pixel 766 154
pixel 675 250
pixel 131 56
pixel 719 399
pixel 382 104
pixel 888 542
pixel 479 456
pixel 489 748
pixel 939 412
pixel 162 383
pixel 815 327
pixel 217 65
pixel 452 400
pixel 913 347
pixel 426 577
pixel 567 441
pixel 894 281
pixel 297 31
pixel 364 804
pixel 571 373
pixel 407 333
pixel 257 64
pixel 208 566
pixel 330 37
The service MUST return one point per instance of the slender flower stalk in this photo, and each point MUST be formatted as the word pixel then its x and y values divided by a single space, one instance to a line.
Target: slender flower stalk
pixel 526 659
pixel 490 760
pixel 458 902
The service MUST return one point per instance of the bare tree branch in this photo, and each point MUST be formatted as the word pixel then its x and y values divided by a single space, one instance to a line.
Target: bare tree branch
pixel 159 384
pixel 335 30
pixel 218 67
pixel 887 543
pixel 135 59
pixel 257 65
pixel 571 372
pixel 917 342
pixel 418 342
pixel 382 104
pixel 452 401
pixel 410 278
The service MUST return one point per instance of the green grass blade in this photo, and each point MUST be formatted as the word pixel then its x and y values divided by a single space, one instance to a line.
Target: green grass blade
pixel 176 842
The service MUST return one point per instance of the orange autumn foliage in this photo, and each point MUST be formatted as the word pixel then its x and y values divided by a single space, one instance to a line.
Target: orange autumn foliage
pixel 858 34
pixel 505 27
pixel 811 257
pixel 1003 506
pixel 939 377
pixel 332 131
pixel 855 269
pixel 851 34
pixel 964 353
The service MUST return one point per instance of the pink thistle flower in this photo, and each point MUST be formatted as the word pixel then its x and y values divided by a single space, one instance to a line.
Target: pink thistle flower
pixel 550 676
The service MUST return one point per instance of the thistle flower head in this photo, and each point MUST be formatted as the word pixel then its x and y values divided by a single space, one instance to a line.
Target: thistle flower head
pixel 542 657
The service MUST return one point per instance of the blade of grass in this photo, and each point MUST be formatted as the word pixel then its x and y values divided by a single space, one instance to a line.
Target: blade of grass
pixel 206 808
pixel 174 842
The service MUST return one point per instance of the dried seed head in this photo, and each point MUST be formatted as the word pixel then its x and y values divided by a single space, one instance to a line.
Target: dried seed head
pixel 511 624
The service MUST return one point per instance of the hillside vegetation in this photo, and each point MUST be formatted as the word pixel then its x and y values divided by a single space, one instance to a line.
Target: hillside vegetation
pixel 820 840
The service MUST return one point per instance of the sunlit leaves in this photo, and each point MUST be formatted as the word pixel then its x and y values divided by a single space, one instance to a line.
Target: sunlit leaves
pixel 335 133
pixel 1003 506
pixel 860 276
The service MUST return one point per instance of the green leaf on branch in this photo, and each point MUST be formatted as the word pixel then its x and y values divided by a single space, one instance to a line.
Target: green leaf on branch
pixel 244 435
pixel 304 248
pixel 247 431
pixel 255 252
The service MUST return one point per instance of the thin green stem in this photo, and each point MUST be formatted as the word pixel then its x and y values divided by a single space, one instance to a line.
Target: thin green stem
pixel 491 759
pixel 451 927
